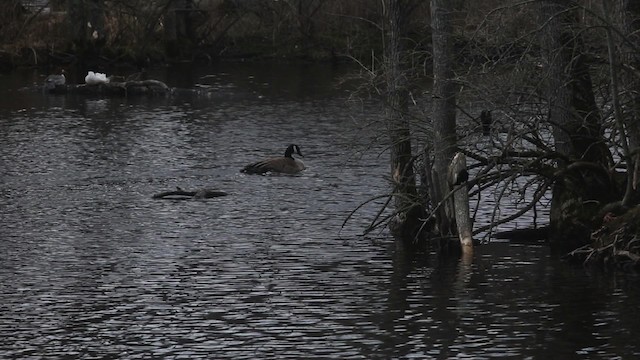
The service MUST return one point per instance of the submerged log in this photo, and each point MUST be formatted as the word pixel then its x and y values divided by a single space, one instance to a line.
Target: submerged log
pixel 180 194
pixel 114 88
pixel 529 235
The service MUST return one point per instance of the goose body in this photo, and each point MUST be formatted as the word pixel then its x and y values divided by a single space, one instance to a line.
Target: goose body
pixel 94 78
pixel 54 80
pixel 286 164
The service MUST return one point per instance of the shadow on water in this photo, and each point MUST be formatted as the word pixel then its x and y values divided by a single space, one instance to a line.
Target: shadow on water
pixel 92 267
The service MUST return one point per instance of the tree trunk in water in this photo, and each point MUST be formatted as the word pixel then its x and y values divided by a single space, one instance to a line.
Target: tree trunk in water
pixel 579 191
pixel 444 115
pixel 407 221
pixel 629 20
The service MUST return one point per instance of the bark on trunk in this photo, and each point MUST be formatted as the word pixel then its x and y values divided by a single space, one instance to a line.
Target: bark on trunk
pixel 629 20
pixel 406 222
pixel 444 113
pixel 578 192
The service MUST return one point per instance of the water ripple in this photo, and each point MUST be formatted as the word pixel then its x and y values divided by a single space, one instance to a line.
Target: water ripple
pixel 92 267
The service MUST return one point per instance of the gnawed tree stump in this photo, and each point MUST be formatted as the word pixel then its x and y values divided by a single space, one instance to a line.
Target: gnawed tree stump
pixel 458 177
pixel 180 194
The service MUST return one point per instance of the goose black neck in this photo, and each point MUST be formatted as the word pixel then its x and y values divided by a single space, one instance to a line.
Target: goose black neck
pixel 289 152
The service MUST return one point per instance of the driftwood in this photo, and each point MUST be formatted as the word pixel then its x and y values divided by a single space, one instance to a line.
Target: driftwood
pixel 113 88
pixel 180 194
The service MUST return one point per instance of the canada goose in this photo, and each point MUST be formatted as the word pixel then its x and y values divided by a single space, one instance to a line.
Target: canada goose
pixel 286 164
pixel 139 76
pixel 486 120
pixel 54 80
pixel 460 177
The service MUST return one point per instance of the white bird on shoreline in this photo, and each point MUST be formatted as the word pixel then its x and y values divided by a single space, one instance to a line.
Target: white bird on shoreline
pixel 94 78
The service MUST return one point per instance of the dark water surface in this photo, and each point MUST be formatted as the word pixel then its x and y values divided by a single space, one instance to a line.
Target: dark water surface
pixel 92 267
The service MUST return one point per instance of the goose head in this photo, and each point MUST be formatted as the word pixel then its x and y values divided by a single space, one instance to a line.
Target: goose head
pixel 292 149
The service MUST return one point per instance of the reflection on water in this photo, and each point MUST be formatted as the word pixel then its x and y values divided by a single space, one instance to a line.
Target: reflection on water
pixel 92 267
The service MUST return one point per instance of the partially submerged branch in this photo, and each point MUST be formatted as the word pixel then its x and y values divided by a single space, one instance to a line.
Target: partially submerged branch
pixel 117 88
pixel 615 245
pixel 180 194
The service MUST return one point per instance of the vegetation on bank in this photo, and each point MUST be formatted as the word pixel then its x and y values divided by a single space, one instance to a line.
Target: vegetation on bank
pixel 144 32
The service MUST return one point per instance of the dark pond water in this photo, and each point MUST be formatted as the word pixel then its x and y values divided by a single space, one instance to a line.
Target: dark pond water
pixel 92 267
